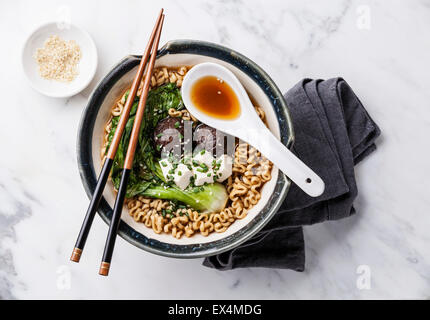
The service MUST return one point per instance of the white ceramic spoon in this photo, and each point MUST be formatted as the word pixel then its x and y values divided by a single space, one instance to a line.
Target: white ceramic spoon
pixel 249 128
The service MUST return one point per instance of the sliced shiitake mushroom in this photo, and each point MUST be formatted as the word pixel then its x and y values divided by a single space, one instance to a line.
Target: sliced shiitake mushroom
pixel 206 137
pixel 168 130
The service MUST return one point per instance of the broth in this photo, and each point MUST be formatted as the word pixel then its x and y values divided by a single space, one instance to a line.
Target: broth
pixel 215 97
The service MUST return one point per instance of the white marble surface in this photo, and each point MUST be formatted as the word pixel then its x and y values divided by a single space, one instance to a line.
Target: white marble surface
pixel 42 201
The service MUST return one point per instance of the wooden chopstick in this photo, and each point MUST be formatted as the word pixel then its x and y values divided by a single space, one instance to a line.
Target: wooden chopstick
pixel 104 174
pixel 128 163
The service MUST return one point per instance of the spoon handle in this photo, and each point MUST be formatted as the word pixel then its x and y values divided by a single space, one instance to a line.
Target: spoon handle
pixel 273 149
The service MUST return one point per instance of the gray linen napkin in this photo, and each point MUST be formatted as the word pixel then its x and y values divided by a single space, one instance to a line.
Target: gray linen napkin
pixel 333 133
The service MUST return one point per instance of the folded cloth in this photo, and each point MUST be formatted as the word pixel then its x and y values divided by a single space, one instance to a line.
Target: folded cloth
pixel 333 132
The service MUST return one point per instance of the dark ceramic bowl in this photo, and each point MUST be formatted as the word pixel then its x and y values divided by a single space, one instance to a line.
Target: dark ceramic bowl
pixel 176 53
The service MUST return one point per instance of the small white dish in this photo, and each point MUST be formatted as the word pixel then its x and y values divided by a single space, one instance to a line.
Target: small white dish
pixel 87 65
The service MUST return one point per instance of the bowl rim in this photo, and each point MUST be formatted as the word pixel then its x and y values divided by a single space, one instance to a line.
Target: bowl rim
pixel 84 84
pixel 85 132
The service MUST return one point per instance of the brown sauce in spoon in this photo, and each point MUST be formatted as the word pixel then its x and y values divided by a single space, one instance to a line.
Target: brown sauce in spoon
pixel 215 97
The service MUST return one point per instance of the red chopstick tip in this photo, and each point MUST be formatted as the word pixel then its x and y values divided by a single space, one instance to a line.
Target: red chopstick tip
pixel 104 268
pixel 76 255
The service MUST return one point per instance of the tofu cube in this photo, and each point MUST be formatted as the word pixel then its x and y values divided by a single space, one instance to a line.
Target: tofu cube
pixel 182 176
pixel 202 177
pixel 205 158
pixel 223 168
pixel 166 166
